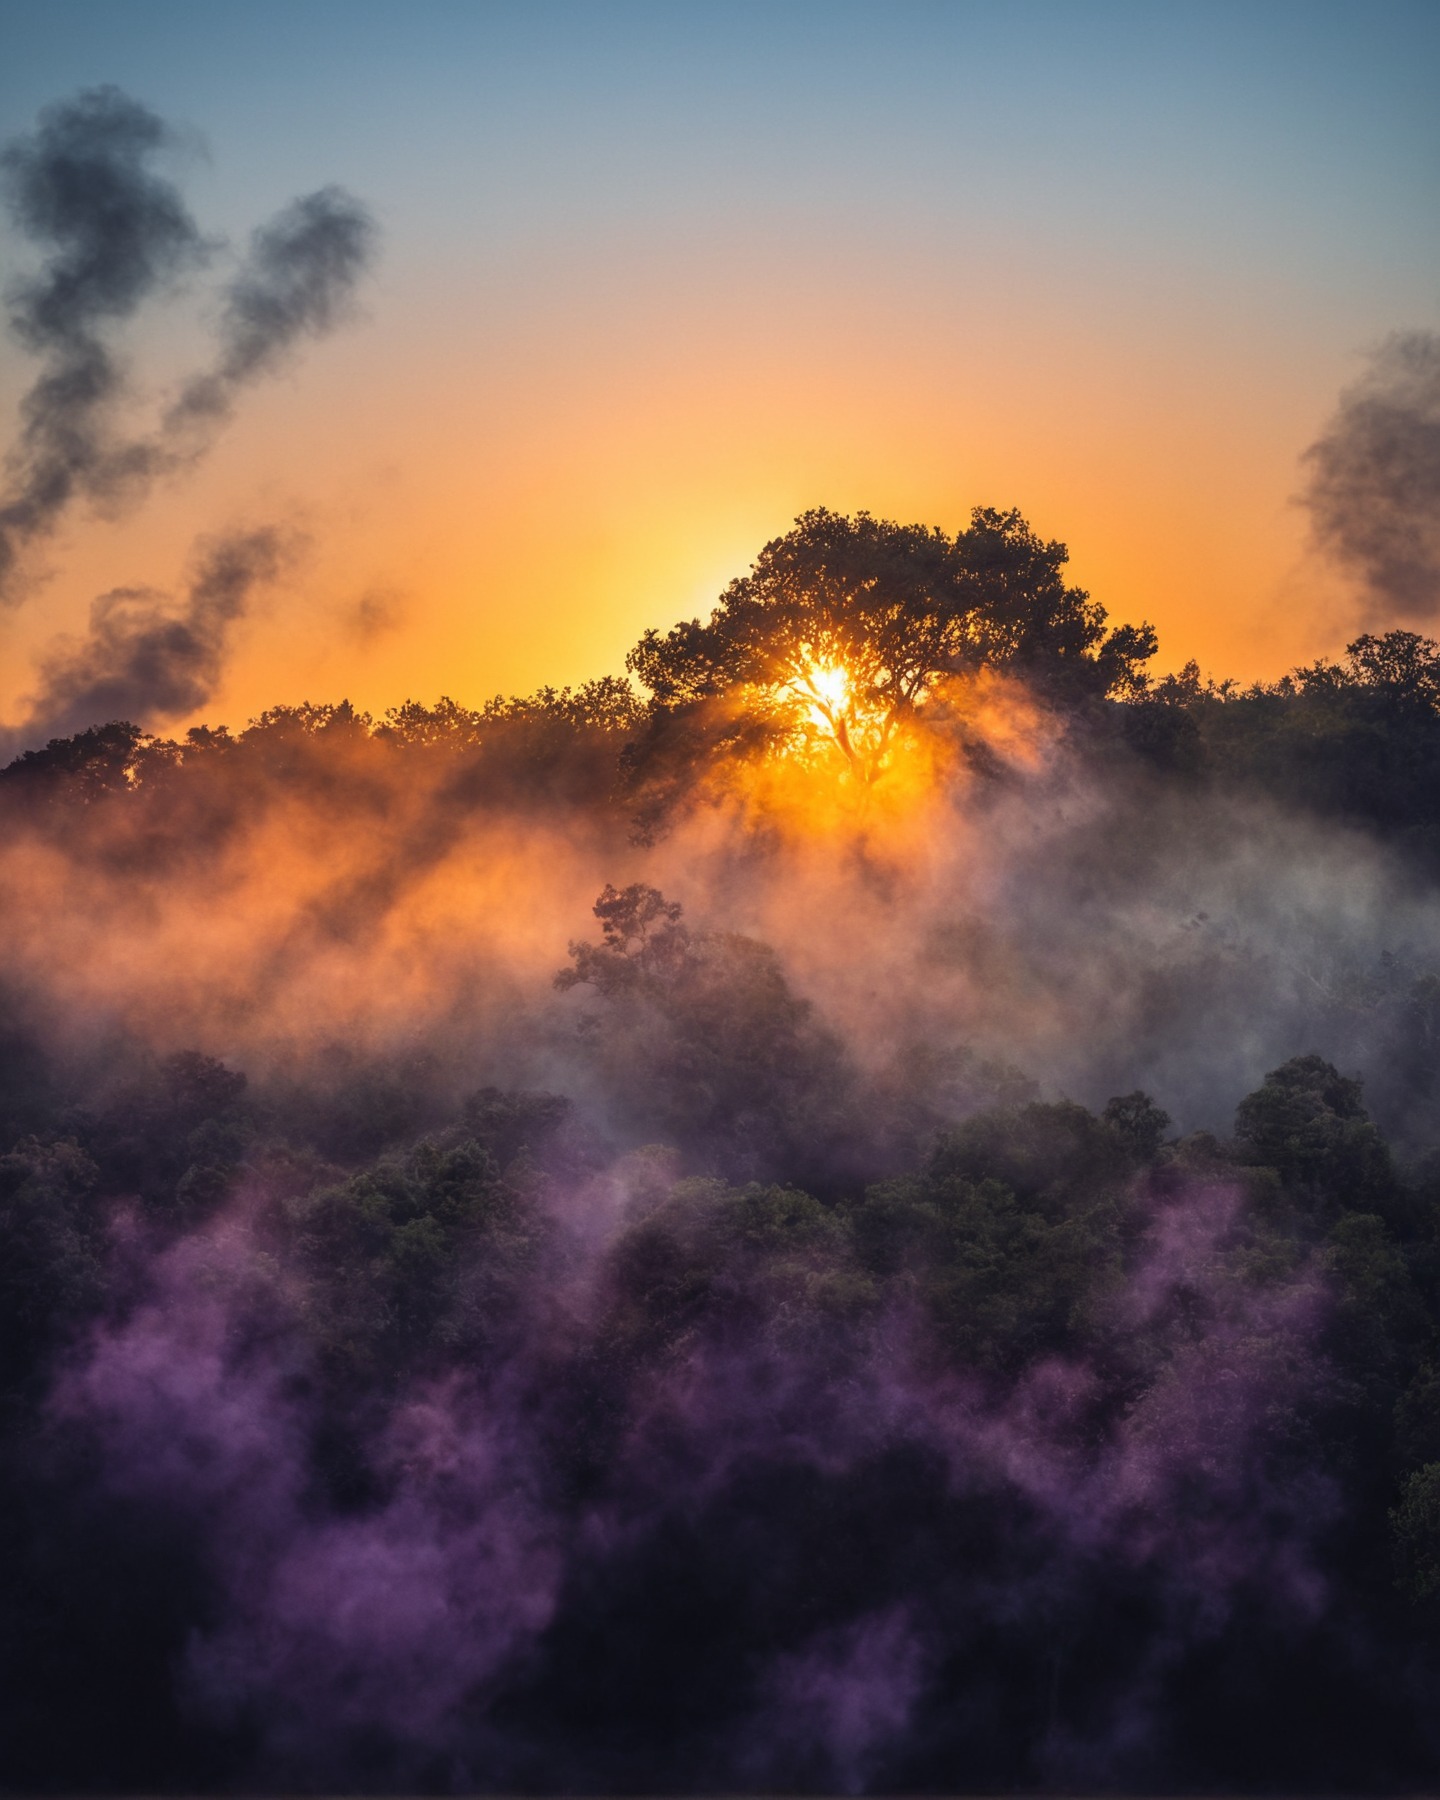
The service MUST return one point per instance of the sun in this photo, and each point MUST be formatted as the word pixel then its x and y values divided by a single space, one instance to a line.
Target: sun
pixel 836 708
pixel 829 688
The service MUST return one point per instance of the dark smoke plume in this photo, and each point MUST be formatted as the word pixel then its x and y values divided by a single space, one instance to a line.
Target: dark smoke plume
pixel 117 232
pixel 143 659
pixel 297 281
pixel 1374 492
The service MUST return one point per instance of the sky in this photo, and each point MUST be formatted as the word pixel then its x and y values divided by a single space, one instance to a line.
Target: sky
pixel 654 279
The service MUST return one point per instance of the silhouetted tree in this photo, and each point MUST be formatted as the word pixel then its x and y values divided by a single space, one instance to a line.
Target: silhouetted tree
pixel 704 1044
pixel 1308 1122
pixel 846 626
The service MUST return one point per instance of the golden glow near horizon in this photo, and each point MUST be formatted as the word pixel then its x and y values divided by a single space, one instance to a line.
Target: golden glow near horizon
pixel 408 590
pixel 519 515
pixel 1017 272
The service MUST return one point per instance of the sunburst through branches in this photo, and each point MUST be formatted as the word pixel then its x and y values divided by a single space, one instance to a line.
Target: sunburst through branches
pixel 838 711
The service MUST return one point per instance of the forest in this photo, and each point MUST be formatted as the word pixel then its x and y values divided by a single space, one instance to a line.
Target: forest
pixel 857 1210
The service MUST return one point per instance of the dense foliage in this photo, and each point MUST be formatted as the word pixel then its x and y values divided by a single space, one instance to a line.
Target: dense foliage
pixel 761 1410
pixel 1040 1427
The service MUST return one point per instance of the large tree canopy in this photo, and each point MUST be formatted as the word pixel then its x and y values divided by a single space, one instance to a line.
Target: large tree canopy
pixel 845 626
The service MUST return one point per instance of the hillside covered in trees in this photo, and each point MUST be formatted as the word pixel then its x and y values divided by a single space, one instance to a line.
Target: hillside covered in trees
pixel 861 1212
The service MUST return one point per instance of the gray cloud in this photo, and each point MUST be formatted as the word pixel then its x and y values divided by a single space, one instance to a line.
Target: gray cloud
pixel 298 281
pixel 144 659
pixel 1374 488
pixel 116 232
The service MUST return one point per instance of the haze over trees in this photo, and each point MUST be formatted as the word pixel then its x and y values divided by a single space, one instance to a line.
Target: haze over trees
pixel 530 1265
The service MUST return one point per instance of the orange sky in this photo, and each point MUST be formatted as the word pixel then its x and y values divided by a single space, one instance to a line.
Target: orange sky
pixel 575 405
pixel 488 523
